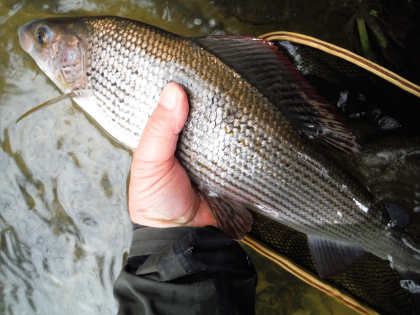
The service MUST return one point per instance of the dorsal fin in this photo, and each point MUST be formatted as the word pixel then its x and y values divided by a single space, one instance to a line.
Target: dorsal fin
pixel 270 71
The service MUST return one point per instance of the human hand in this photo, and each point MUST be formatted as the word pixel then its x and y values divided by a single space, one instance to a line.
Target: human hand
pixel 160 193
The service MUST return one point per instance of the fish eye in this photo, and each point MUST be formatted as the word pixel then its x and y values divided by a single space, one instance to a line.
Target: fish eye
pixel 43 34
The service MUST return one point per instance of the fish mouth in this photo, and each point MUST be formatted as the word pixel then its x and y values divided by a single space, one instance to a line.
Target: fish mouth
pixel 25 40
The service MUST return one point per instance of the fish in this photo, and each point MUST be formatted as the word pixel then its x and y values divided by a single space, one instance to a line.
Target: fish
pixel 251 140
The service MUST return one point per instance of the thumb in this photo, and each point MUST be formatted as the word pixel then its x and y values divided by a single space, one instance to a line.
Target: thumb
pixel 160 136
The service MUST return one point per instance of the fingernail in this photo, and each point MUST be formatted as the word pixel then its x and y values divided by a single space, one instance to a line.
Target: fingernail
pixel 169 97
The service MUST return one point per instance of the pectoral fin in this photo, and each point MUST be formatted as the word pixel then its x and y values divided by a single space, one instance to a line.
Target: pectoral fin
pixel 232 217
pixel 332 257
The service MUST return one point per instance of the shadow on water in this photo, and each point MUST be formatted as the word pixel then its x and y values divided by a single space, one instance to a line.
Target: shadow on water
pixel 64 227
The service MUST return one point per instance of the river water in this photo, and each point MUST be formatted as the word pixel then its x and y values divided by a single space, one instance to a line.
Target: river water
pixel 64 227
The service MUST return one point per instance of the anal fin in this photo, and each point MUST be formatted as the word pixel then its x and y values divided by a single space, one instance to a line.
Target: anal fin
pixel 232 217
pixel 332 257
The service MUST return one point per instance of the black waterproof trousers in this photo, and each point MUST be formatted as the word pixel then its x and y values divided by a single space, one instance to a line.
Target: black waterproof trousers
pixel 184 271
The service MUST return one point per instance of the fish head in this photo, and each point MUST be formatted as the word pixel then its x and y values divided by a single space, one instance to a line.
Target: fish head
pixel 58 47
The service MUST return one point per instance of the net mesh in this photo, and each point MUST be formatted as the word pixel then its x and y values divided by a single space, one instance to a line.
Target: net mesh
pixel 369 280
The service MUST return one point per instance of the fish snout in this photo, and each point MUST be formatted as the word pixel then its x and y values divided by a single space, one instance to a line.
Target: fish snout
pixel 25 40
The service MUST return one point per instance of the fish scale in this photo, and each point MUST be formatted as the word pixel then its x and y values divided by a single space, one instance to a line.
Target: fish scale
pixel 238 145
